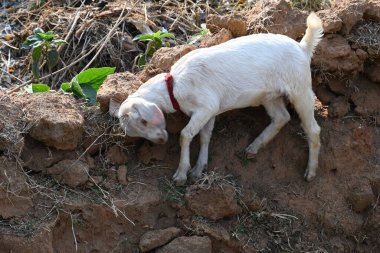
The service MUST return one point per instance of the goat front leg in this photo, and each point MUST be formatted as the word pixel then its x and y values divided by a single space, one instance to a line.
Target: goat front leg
pixel 204 136
pixel 197 122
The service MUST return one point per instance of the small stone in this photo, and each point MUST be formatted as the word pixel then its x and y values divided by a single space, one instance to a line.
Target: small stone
pixel 339 107
pixel 220 37
pixel 361 198
pixel 70 172
pixel 116 155
pixel 235 23
pixel 122 175
pixel 118 86
pixel 149 151
pixel 191 244
pixel 324 95
pixel 156 238
pixel 214 203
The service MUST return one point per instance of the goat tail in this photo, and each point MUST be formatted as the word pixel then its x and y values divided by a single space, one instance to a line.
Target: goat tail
pixel 313 35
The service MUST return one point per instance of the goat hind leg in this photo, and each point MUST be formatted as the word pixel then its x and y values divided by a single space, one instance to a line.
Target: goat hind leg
pixel 276 109
pixel 304 105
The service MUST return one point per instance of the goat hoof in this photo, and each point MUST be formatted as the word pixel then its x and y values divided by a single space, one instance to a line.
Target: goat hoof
pixel 179 179
pixel 309 176
pixel 195 174
pixel 249 155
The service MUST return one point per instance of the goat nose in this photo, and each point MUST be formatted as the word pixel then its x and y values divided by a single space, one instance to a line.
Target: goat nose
pixel 161 140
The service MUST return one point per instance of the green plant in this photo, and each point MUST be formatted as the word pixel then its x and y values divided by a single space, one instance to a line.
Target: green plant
pixel 204 31
pixel 87 83
pixel 155 41
pixel 84 85
pixel 43 46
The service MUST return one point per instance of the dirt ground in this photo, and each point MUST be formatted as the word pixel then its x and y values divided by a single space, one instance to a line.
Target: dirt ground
pixel 70 181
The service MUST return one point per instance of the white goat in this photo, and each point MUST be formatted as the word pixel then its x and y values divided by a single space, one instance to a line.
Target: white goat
pixel 258 69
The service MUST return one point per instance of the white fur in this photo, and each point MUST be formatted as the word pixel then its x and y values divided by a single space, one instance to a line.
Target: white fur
pixel 254 70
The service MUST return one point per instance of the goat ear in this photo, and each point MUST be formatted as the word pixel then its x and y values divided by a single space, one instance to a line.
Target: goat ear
pixel 114 107
pixel 151 113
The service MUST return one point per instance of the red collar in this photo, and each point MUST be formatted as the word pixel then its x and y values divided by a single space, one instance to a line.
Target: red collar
pixel 169 85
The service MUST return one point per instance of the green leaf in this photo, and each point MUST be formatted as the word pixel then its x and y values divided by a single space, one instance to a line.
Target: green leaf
pixel 52 57
pixel 36 70
pixel 90 93
pixel 28 43
pixel 48 36
pixel 142 61
pixel 76 89
pixel 59 42
pixel 94 76
pixel 166 35
pixel 36 55
pixel 40 87
pixel 157 34
pixel 144 37
pixel 66 87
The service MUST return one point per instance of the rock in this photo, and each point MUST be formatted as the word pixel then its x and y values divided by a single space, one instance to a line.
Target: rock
pixel 333 54
pixel 199 244
pixel 156 238
pixel 324 95
pixel 214 203
pixel 15 197
pixel 55 119
pixel 361 198
pixel 372 11
pixel 117 86
pixel 163 59
pixel 331 22
pixel 252 201
pixel 339 107
pixel 366 98
pixel 38 157
pixel 277 17
pixel 220 37
pixel 215 231
pixel 350 12
pixel 122 175
pixel 339 87
pixel 12 124
pixel 149 151
pixel 70 172
pixel 117 156
pixel 373 72
pixel 235 23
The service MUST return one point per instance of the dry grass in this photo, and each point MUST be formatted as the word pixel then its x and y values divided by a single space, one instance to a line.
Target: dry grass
pixel 367 36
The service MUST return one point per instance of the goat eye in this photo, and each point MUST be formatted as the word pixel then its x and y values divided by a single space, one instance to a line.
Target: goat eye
pixel 144 122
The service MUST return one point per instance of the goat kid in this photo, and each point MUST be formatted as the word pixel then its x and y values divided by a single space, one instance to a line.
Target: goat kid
pixel 258 69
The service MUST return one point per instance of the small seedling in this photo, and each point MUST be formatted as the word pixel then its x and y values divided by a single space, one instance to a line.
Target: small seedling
pixel 155 42
pixel 43 46
pixel 204 31
pixel 87 83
